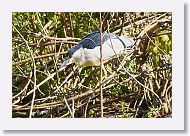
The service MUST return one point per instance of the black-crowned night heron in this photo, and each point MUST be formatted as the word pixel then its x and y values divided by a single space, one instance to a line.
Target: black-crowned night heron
pixel 87 51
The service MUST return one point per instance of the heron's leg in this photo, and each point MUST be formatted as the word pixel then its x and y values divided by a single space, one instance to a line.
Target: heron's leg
pixel 77 72
pixel 105 71
pixel 108 68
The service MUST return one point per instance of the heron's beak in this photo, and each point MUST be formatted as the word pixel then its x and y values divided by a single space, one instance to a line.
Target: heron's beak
pixel 65 64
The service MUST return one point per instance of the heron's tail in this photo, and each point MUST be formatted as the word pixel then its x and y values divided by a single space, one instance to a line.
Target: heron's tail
pixel 128 43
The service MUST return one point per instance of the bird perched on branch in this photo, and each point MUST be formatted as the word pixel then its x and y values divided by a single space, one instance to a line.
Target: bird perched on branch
pixel 87 51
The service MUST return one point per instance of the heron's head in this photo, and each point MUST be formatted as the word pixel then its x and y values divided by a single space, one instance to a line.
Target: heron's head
pixel 74 55
pixel 67 60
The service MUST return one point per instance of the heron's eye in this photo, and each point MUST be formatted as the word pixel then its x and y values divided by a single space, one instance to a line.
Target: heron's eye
pixel 67 56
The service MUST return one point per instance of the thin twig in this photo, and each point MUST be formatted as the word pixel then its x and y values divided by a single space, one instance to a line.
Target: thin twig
pixel 38 57
pixel 34 65
pixel 86 107
pixel 52 43
pixel 37 86
pixel 68 106
pixel 73 108
pixel 101 67
pixel 24 89
pixel 38 18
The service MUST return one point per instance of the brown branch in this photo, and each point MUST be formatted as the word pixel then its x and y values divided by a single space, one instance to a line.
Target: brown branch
pixel 101 67
pixel 36 58
pixel 34 65
pixel 44 43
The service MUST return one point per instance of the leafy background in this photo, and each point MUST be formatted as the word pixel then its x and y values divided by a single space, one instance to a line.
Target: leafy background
pixel 137 85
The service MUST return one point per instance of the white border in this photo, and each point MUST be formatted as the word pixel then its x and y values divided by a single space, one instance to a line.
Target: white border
pixel 9 123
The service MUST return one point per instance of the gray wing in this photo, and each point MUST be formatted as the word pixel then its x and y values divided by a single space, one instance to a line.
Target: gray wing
pixel 92 40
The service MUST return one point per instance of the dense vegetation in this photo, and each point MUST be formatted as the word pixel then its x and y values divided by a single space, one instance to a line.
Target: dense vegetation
pixel 137 85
